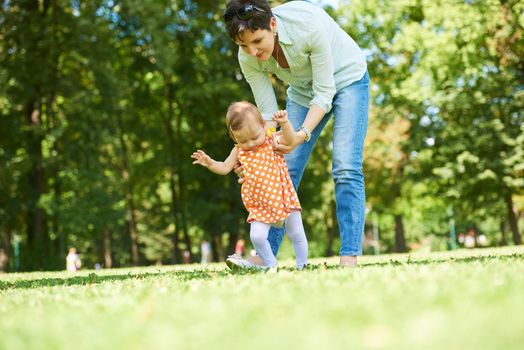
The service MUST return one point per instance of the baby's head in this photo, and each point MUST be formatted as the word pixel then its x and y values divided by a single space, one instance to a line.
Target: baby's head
pixel 245 125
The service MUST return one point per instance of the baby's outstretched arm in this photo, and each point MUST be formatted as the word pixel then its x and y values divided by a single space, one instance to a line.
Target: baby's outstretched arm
pixel 288 132
pixel 220 168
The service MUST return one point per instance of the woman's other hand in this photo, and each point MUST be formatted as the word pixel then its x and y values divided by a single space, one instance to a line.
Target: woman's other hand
pixel 240 173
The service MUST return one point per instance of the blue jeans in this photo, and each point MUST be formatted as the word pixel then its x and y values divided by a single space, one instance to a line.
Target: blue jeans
pixel 350 110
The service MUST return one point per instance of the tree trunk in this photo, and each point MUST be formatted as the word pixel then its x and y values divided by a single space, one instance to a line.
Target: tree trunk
pixel 181 181
pixel 503 234
pixel 5 246
pixel 236 227
pixel 58 245
pixel 233 239
pixel 61 236
pixel 36 255
pixel 106 242
pixel 400 240
pixel 217 247
pixel 128 189
pixel 512 219
pixel 35 216
pixel 176 256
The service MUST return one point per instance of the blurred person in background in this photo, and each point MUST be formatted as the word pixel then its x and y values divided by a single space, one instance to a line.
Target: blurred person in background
pixel 3 261
pixel 205 252
pixel 73 262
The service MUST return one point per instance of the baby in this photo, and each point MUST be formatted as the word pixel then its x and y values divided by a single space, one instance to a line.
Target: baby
pixel 267 191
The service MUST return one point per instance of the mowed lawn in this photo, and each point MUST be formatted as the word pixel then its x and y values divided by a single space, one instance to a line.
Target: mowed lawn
pixel 453 300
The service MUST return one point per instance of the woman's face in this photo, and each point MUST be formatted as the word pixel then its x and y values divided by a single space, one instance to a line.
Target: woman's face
pixel 259 43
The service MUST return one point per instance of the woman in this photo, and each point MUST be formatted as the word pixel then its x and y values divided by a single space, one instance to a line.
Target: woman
pixel 327 76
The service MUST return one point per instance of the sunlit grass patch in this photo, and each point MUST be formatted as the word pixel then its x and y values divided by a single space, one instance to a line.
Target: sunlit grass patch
pixel 464 299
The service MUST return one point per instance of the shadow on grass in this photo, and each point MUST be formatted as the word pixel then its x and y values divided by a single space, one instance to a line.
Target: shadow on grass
pixel 204 274
pixel 93 278
pixel 410 260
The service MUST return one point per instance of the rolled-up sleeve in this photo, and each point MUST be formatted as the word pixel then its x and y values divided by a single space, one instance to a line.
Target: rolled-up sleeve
pixel 261 86
pixel 322 67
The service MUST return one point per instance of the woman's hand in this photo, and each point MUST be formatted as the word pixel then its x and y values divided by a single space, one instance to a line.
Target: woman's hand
pixel 281 146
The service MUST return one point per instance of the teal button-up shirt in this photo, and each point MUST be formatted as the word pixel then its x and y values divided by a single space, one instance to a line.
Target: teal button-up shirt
pixel 322 59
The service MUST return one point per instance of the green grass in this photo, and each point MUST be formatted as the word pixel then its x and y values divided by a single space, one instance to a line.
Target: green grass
pixel 453 300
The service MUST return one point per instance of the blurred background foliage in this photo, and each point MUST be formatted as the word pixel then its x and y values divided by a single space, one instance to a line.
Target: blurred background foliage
pixel 103 101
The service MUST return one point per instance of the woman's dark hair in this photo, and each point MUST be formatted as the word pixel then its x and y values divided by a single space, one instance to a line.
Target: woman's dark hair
pixel 246 14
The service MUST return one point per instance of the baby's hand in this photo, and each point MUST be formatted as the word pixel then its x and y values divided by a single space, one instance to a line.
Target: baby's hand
pixel 280 117
pixel 201 158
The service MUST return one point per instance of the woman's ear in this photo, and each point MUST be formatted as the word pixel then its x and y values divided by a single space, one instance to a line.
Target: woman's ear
pixel 273 25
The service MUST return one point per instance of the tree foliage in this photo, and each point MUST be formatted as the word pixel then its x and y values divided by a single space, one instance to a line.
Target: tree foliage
pixel 102 102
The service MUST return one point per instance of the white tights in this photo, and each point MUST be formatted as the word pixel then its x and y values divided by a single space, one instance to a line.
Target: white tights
pixel 294 229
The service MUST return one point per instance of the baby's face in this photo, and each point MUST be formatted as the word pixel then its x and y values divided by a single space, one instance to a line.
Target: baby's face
pixel 250 136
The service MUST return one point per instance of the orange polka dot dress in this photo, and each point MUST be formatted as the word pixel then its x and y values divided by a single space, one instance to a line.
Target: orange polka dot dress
pixel 267 192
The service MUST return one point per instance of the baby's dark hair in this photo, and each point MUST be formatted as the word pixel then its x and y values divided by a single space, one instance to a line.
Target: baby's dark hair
pixel 260 17
pixel 238 113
